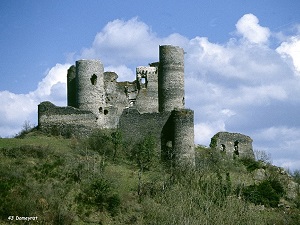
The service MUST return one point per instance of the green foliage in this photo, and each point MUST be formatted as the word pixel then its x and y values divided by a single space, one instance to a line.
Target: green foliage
pixel 213 143
pixel 251 164
pixel 265 193
pixel 99 194
pixel 145 153
pixel 61 181
pixel 100 141
pixel 296 176
pixel 23 151
pixel 116 138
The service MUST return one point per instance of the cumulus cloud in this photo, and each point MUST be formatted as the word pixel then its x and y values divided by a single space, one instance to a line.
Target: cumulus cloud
pixel 128 42
pixel 248 26
pixel 290 50
pixel 282 142
pixel 242 85
pixel 124 73
pixel 17 108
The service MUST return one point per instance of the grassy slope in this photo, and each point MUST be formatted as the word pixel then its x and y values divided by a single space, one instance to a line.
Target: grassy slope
pixel 57 180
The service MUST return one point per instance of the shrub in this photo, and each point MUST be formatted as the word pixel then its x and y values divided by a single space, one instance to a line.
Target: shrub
pixel 296 176
pixel 266 193
pixel 263 156
pixel 250 164
pixel 101 142
pixel 27 127
pixel 99 194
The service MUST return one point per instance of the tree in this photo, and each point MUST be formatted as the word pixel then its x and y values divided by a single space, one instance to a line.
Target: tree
pixel 116 138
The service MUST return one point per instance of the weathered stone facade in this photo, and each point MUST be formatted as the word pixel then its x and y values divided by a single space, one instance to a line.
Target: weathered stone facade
pixel 153 104
pixel 234 144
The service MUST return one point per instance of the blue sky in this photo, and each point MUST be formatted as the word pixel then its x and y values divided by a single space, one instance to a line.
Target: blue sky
pixel 242 61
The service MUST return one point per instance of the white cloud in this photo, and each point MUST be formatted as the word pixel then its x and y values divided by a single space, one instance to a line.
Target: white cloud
pixel 56 75
pixel 206 130
pixel 17 108
pixel 290 50
pixel 248 26
pixel 127 42
pixel 124 73
pixel 282 142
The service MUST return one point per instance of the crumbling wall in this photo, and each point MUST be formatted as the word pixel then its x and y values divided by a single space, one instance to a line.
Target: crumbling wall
pixel 139 108
pixel 116 100
pixel 65 120
pixel 136 126
pixel 234 144
pixel 147 89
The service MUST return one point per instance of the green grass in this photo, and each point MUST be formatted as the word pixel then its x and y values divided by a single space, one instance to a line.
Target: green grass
pixel 70 181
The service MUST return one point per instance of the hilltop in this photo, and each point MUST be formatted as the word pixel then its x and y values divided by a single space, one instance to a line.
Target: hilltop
pixel 105 180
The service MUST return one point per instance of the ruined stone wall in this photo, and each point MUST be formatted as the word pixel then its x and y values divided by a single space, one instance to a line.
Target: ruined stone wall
pixel 170 78
pixel 147 88
pixel 139 108
pixel 234 144
pixel 65 120
pixel 136 126
pixel 115 100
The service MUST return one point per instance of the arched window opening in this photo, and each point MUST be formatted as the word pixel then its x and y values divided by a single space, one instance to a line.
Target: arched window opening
pixel 94 79
pixel 223 147
pixel 143 80
pixel 236 148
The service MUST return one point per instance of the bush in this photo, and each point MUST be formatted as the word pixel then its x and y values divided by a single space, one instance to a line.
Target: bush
pixel 251 164
pixel 27 128
pixel 99 194
pixel 296 176
pixel 266 193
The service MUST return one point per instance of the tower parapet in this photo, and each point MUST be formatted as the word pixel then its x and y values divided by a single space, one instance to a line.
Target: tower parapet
pixel 170 78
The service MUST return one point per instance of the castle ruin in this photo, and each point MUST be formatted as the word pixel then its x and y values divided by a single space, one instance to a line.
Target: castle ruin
pixel 153 104
pixel 233 144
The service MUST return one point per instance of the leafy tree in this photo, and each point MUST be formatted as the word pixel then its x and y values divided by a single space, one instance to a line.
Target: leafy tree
pixel 116 138
pixel 145 153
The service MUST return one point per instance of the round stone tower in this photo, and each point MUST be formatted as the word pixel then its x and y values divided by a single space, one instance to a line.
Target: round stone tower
pixel 170 78
pixel 90 85
pixel 183 144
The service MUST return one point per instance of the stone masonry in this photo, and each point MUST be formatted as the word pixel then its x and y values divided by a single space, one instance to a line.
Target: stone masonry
pixel 152 104
pixel 233 144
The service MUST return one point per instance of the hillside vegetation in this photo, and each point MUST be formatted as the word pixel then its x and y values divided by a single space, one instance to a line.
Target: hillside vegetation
pixel 103 180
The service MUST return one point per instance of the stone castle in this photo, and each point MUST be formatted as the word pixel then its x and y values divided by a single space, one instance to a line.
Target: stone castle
pixel 153 104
